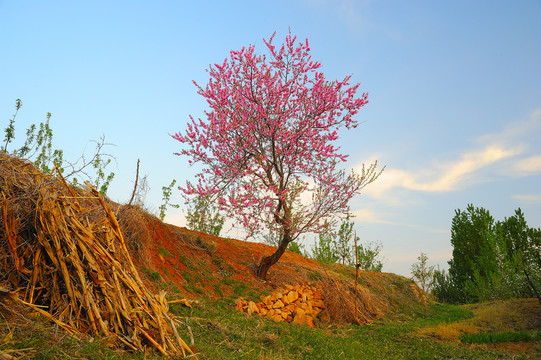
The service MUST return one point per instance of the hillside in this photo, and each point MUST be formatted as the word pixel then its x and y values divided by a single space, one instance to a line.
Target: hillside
pixel 201 265
pixel 84 277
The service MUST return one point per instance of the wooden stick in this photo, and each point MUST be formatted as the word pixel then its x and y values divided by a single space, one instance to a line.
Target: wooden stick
pixel 135 186
pixel 357 265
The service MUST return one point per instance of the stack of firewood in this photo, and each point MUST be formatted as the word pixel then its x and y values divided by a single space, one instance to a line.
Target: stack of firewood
pixel 298 304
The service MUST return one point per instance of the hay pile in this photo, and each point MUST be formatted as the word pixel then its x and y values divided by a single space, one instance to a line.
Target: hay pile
pixel 348 303
pixel 63 255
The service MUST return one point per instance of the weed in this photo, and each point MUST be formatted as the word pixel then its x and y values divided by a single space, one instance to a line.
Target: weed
pixel 218 290
pixel 186 261
pixel 222 264
pixel 240 289
pixel 193 289
pixel 164 252
pixel 188 277
pixel 172 287
pixel 208 245
pixel 315 276
pixel 153 275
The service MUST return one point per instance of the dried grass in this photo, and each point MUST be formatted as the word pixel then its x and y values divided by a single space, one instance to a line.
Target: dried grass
pixel 63 254
pixel 132 222
pixel 345 304
pixel 510 315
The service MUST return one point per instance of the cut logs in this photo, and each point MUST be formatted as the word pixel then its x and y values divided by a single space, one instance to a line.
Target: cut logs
pixel 294 303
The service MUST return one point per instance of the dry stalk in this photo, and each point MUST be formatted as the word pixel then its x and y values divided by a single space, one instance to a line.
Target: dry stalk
pixel 64 256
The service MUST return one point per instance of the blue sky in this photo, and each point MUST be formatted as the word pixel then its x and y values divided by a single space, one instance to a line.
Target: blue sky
pixel 454 112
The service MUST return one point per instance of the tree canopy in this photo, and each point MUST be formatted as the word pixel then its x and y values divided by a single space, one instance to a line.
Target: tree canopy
pixel 267 143
pixel 491 260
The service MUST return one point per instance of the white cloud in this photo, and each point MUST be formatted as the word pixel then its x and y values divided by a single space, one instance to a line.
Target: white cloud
pixel 445 177
pixel 367 216
pixel 528 198
pixel 370 217
pixel 529 166
pixel 516 131
pixel 503 149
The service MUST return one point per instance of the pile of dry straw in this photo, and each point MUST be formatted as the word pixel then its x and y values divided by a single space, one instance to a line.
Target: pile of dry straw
pixel 62 254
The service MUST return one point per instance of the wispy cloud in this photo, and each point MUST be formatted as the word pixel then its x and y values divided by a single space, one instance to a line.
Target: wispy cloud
pixel 371 217
pixel 503 149
pixel 367 216
pixel 529 166
pixel 528 198
pixel 444 177
pixel 515 131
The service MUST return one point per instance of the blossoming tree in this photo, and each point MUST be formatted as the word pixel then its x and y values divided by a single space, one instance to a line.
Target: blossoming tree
pixel 266 145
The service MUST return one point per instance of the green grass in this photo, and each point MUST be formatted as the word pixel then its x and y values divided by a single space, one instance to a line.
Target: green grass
pixel 218 290
pixel 39 340
pixel 500 337
pixel 164 252
pixel 153 275
pixel 194 289
pixel 220 332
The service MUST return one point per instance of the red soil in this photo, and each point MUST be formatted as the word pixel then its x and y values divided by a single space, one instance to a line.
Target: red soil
pixel 181 256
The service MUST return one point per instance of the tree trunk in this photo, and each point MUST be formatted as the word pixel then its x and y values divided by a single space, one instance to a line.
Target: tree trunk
pixel 532 285
pixel 268 261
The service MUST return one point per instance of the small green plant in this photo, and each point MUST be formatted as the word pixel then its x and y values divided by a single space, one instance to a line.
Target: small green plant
pixel 166 199
pixel 340 247
pixel 324 249
pixel 10 130
pixel 164 252
pixel 297 248
pixel 193 289
pixel 218 290
pixel 369 256
pixel 422 273
pixel 153 275
pixel 208 245
pixel 38 148
pixel 315 276
pixel 173 287
pixel 240 289
pixel 203 216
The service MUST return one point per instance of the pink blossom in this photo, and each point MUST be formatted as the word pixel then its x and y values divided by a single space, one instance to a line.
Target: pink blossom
pixel 268 133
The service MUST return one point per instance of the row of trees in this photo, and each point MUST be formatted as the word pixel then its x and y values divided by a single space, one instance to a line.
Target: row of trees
pixel 491 260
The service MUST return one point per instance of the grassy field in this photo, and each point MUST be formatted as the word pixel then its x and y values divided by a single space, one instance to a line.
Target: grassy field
pixel 220 332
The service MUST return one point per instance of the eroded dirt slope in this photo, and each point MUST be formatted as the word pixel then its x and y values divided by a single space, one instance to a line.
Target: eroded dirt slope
pixel 196 265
